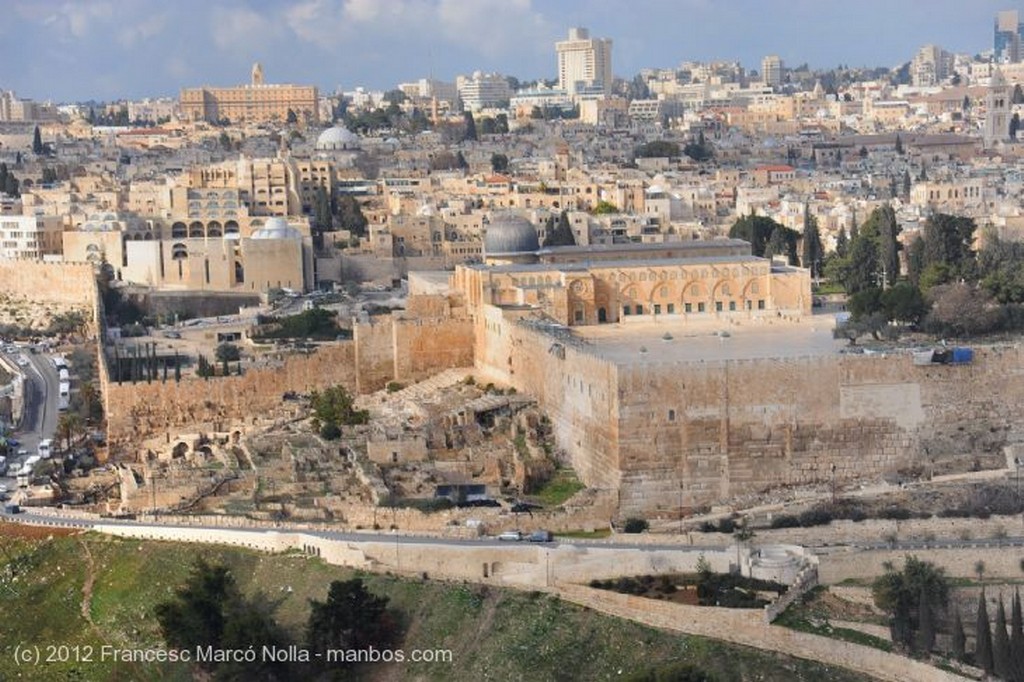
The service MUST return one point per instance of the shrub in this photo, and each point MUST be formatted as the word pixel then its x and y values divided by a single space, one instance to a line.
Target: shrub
pixel 636 525
pixel 330 431
pixel 785 521
pixel 894 514
pixel 815 517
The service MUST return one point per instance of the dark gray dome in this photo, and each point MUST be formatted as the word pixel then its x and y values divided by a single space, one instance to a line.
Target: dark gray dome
pixel 510 234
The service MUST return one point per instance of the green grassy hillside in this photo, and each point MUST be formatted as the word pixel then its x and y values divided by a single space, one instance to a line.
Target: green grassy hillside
pixel 493 634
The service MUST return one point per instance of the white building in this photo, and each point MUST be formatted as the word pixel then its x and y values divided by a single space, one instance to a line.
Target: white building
pixel 930 66
pixel 584 62
pixel 26 237
pixel 483 90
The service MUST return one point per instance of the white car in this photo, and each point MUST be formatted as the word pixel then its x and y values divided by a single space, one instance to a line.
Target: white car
pixel 511 536
pixel 22 361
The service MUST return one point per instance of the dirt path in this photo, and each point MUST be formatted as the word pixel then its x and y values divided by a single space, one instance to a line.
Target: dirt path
pixel 90 579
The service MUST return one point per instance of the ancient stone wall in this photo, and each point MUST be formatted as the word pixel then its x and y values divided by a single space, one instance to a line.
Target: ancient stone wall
pixel 577 390
pixel 701 432
pixel 136 411
pixel 374 353
pixel 66 283
pixel 425 347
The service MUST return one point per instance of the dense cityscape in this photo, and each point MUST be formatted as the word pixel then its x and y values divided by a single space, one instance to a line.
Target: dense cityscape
pixel 706 372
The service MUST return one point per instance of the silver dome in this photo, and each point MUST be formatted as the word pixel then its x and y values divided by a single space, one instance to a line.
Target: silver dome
pixel 510 234
pixel 337 138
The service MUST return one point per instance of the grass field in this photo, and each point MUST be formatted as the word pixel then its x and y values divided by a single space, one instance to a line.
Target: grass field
pixel 492 633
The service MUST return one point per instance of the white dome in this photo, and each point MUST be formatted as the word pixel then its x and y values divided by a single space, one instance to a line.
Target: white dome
pixel 338 137
pixel 276 228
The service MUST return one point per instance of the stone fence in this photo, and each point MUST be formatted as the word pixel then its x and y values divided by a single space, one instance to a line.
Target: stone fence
pixel 746 627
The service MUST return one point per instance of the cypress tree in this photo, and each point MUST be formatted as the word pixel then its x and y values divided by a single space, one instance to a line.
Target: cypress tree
pixel 813 252
pixel 925 624
pixel 1001 644
pixel 842 243
pixel 1016 640
pixel 983 638
pixel 37 142
pixel 959 638
pixel 177 368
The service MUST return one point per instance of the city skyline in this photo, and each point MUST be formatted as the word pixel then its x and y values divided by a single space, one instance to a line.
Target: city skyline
pixel 110 49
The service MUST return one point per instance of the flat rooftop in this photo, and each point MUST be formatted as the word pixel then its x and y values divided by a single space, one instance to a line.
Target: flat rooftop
pixel 711 341
pixel 584 266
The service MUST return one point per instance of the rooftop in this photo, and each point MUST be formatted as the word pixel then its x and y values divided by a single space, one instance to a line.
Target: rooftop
pixel 710 341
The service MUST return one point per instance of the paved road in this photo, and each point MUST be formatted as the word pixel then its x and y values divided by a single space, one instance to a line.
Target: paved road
pixel 39 421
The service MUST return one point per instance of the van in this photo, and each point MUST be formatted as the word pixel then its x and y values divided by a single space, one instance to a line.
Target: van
pixel 541 536
pixel 511 536
pixel 46 448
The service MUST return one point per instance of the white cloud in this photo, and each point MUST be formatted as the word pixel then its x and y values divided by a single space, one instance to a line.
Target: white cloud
pixel 490 27
pixel 242 31
pixel 150 27
pixel 80 16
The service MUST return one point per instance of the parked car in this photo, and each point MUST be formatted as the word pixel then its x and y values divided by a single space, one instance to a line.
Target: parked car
pixel 541 536
pixel 511 536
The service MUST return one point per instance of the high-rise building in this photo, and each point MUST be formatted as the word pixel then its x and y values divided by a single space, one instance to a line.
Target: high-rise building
pixel 930 66
pixel 771 70
pixel 584 63
pixel 1008 34
pixel 257 102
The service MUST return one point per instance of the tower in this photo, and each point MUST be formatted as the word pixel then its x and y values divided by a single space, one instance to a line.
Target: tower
pixel 584 63
pixel 257 74
pixel 771 70
pixel 997 109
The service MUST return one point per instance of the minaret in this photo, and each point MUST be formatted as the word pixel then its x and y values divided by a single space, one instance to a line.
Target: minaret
pixel 257 74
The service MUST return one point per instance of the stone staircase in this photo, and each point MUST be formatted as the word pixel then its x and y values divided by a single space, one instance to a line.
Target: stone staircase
pixel 417 392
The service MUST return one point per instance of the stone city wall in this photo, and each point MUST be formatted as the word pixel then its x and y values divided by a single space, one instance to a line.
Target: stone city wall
pixel 140 410
pixel 699 433
pixel 577 390
pixel 999 562
pixel 65 283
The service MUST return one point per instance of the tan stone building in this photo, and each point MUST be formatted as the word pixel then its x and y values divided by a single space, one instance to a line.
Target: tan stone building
pixel 257 102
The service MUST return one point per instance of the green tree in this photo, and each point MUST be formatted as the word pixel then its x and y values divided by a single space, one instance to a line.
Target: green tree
pixel 915 260
pixel 209 611
pixel 1001 644
pixel 948 240
pixel 842 243
pixel 37 142
pixel 351 618
pixel 1016 639
pixel 901 594
pixel 925 640
pixel 292 117
pixel 560 233
pixel 69 426
pixel 605 207
pixel 350 216
pixel 959 637
pixel 499 162
pixel 335 406
pixel 903 303
pixel 759 230
pixel 657 149
pixel 983 638
pixel 861 271
pixel 470 126
pixel 899 144
pixel 813 251
pixel 228 352
pixel 501 124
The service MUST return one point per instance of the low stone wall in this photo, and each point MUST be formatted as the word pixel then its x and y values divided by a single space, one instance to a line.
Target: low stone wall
pixel 746 627
pixel 1000 562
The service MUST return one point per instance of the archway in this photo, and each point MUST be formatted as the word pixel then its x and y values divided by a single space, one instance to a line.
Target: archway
pixel 179 231
pixel 602 315
pixel 195 230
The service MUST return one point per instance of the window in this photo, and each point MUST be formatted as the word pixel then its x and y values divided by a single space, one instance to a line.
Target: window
pixel 579 317
pixel 700 307
pixel 626 310
pixel 657 309
pixel 671 415
pixel 639 310
pixel 718 306
pixel 760 304
pixel 732 305
pixel 671 308
pixel 687 307
pixel 749 305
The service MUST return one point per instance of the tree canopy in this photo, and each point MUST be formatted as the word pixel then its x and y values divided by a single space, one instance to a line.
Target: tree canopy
pixel 767 238
pixel 904 595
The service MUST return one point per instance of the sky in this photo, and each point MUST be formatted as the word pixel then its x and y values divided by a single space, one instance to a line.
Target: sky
pixel 77 50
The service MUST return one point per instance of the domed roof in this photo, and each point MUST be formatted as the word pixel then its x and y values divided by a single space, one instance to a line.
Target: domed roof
pixel 338 137
pixel 276 228
pixel 509 234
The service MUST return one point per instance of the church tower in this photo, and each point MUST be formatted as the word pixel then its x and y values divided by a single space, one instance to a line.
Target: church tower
pixel 997 110
pixel 257 74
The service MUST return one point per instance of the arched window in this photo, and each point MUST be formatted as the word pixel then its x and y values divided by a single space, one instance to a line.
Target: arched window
pixel 179 251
